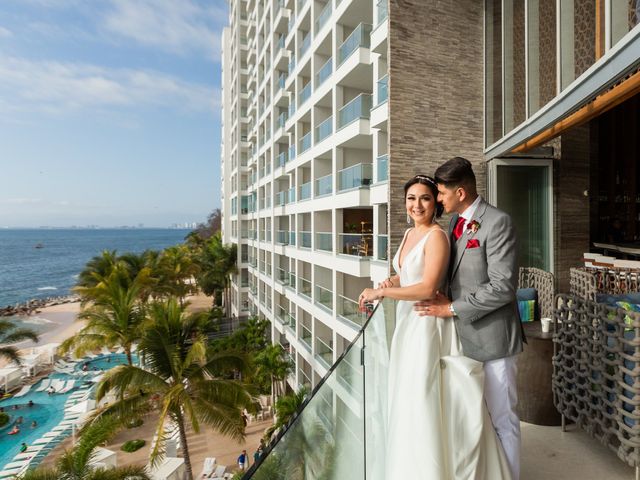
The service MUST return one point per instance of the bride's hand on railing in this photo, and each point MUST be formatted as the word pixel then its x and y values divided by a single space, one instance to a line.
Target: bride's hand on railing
pixel 369 295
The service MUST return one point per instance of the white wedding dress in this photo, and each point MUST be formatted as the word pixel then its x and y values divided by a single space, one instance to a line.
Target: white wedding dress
pixel 438 425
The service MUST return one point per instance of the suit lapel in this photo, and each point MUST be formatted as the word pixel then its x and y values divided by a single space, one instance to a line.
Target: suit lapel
pixel 461 243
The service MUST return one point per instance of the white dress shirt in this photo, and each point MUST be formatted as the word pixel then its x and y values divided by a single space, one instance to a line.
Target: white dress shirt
pixel 470 211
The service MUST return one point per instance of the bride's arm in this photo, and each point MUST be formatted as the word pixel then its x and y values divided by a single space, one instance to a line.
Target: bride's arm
pixel 436 260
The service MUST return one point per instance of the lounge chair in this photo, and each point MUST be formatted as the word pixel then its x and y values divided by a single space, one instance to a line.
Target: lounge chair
pixel 69 386
pixel 57 385
pixel 23 391
pixel 44 385
pixel 218 474
pixel 208 467
pixel 10 473
pixel 18 464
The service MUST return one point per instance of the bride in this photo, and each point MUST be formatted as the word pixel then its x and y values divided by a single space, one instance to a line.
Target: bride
pixel 438 424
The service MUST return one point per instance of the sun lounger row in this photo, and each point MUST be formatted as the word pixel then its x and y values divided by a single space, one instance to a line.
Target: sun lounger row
pixel 23 391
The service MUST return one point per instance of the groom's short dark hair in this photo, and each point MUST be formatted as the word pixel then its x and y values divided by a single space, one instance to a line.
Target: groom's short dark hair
pixel 456 172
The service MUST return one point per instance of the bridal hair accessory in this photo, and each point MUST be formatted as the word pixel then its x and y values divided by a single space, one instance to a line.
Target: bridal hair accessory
pixel 472 227
pixel 426 179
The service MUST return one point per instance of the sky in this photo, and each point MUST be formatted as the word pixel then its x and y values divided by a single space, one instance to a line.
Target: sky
pixel 109 111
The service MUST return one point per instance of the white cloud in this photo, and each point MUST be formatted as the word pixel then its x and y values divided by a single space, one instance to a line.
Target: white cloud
pixel 5 32
pixel 178 27
pixel 57 87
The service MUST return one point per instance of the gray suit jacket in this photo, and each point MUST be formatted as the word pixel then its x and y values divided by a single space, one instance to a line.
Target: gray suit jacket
pixel 483 284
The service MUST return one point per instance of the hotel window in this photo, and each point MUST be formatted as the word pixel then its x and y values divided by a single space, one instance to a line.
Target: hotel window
pixel 541 44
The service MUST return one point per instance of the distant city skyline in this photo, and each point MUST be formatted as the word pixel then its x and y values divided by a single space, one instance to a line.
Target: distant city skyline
pixel 109 112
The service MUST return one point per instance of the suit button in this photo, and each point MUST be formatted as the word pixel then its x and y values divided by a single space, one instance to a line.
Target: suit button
pixel 443 364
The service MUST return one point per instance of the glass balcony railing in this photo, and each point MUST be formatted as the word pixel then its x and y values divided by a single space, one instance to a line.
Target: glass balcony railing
pixel 305 239
pixel 291 110
pixel 324 241
pixel 292 152
pixel 292 238
pixel 360 37
pixel 356 176
pixel 349 310
pixel 305 94
pixel 282 237
pixel 305 191
pixel 383 89
pixel 321 21
pixel 358 108
pixel 305 143
pixel 325 71
pixel 381 11
pixel 291 321
pixel 292 280
pixel 281 159
pixel 304 287
pixel 282 118
pixel 356 244
pixel 305 335
pixel 306 43
pixel 292 65
pixel 291 195
pixel 383 168
pixel 324 350
pixel 342 421
pixel 383 246
pixel 324 297
pixel 281 313
pixel 324 129
pixel 281 275
pixel 281 79
pixel 324 185
pixel 291 24
pixel 280 199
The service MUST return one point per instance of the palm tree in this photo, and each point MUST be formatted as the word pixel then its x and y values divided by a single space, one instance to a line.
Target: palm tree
pixel 74 464
pixel 175 269
pixel 217 262
pixel 97 268
pixel 10 334
pixel 272 363
pixel 116 315
pixel 180 373
pixel 288 405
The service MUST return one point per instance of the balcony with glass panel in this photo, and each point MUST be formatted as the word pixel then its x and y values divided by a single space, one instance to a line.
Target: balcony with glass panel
pixel 383 89
pixel 282 237
pixel 383 246
pixel 306 43
pixel 305 191
pixel 383 168
pixel 292 238
pixel 356 244
pixel 281 314
pixel 324 185
pixel 324 297
pixel 305 239
pixel 356 176
pixel 290 321
pixel 381 11
pixel 324 241
pixel 304 287
pixel 324 72
pixel 292 152
pixel 291 198
pixel 305 335
pixel 282 119
pixel 305 94
pixel 359 38
pixel 324 129
pixel 291 280
pixel 304 379
pixel 281 159
pixel 350 310
pixel 291 110
pixel 281 80
pixel 356 109
pixel 282 276
pixel 325 15
pixel 280 199
pixel 305 143
pixel 324 350
pixel 292 65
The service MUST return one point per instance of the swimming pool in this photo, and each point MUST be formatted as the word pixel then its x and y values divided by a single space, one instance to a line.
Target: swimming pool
pixel 47 410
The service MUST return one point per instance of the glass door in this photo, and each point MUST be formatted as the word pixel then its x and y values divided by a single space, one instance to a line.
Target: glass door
pixel 523 187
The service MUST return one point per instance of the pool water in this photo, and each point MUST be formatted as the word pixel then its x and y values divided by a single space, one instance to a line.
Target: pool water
pixel 47 410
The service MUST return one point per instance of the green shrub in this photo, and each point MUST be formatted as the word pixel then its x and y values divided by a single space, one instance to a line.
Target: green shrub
pixel 132 445
pixel 4 419
pixel 135 423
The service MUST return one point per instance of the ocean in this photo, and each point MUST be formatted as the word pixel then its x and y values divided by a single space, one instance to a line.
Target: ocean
pixel 27 272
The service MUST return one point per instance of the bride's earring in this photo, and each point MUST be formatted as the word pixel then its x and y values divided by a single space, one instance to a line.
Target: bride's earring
pixel 408 219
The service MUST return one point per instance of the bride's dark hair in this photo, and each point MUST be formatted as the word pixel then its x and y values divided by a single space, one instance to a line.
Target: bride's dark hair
pixel 429 182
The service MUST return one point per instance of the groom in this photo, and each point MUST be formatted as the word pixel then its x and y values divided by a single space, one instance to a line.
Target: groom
pixel 482 282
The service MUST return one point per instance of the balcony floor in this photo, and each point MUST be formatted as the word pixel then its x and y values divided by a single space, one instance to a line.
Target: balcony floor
pixel 547 452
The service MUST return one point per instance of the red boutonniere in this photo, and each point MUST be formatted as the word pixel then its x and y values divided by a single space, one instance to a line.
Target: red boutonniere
pixel 472 227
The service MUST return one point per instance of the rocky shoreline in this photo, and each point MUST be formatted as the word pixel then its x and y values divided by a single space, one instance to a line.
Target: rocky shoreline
pixel 33 306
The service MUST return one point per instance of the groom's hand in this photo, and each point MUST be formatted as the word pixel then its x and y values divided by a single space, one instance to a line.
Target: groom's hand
pixel 436 307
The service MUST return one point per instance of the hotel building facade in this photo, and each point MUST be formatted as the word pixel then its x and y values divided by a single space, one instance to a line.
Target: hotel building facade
pixel 330 106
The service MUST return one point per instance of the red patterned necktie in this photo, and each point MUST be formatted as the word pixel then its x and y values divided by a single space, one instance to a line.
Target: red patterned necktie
pixel 457 230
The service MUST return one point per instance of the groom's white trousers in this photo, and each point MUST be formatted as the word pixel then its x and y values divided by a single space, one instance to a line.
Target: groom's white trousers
pixel 501 396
